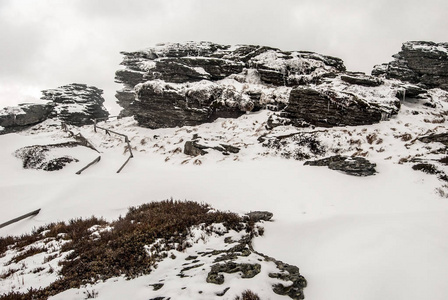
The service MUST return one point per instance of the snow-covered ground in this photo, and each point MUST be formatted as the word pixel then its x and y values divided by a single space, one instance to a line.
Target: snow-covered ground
pixel 377 237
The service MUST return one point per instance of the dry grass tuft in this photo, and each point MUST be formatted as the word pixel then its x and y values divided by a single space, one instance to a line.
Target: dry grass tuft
pixel 248 295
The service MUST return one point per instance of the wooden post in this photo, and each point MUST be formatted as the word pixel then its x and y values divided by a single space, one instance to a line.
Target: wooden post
pixel 94 125
pixel 33 213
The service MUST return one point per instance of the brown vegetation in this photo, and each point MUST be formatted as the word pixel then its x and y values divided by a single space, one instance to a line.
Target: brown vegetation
pixel 121 250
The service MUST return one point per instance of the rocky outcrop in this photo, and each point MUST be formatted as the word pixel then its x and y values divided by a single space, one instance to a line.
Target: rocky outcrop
pixel 74 104
pixel 356 166
pixel 193 83
pixel 425 63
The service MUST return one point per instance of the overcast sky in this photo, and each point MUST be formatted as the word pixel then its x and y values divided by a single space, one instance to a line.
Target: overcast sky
pixel 48 43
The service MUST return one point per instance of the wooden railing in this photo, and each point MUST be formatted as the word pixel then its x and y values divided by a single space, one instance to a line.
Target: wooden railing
pixel 126 139
pixel 83 141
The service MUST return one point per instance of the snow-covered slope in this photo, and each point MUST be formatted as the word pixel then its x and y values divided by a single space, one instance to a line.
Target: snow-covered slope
pixel 377 237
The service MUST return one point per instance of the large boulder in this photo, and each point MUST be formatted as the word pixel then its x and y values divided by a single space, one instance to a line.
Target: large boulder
pixel 24 115
pixel 425 63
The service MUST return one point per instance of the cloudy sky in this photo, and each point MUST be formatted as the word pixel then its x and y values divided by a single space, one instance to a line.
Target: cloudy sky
pixel 48 43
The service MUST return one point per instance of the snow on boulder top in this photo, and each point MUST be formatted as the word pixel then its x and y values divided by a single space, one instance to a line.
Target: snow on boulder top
pixel 435 48
pixel 205 60
pixel 18 117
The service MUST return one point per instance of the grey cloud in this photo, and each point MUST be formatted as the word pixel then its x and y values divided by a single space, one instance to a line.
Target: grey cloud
pixel 53 42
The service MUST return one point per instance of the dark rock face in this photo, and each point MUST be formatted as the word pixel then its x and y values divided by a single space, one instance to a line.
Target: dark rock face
pixel 181 84
pixel 76 104
pixel 419 62
pixel 356 166
pixel 328 108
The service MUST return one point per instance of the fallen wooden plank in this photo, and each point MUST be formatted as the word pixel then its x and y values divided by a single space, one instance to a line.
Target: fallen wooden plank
pixel 90 164
pixel 33 213
pixel 125 163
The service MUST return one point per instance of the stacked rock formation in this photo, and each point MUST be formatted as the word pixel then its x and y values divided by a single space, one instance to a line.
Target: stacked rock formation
pixel 193 83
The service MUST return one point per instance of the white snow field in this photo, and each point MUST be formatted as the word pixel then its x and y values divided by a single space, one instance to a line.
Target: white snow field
pixel 378 237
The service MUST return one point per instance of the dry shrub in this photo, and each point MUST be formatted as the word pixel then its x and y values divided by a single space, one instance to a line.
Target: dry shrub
pixel 29 295
pixel 371 138
pixel 30 252
pixel 426 168
pixel 404 160
pixel 406 137
pixel 5 242
pixel 248 295
pixel 121 251
pixel 443 191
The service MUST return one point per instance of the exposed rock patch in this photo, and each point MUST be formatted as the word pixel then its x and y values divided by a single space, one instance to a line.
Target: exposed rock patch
pixel 37 157
pixel 195 148
pixel 246 271
pixel 257 216
pixel 356 166
pixel 435 138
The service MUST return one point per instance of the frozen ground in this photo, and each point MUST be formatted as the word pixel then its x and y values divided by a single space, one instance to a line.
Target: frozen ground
pixel 378 237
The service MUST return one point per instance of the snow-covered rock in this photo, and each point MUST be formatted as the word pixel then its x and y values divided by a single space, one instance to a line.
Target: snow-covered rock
pixel 74 104
pixel 418 62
